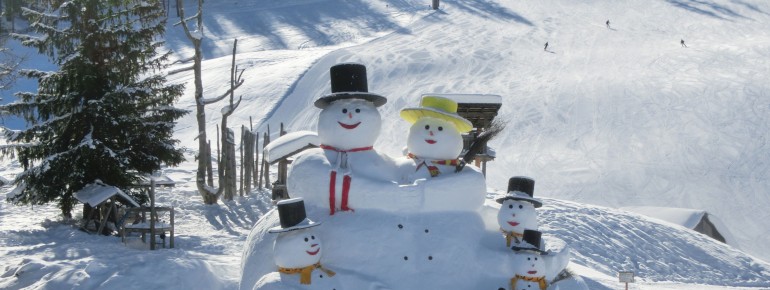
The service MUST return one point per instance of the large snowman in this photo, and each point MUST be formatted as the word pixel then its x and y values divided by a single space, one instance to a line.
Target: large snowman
pixel 353 174
pixel 434 145
pixel 517 211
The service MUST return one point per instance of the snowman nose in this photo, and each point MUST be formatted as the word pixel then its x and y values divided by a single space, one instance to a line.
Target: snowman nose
pixel 430 132
pixel 514 215
pixel 350 115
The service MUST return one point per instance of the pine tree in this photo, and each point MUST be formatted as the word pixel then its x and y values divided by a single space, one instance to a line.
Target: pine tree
pixel 106 115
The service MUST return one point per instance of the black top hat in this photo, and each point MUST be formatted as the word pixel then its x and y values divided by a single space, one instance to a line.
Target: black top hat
pixel 292 214
pixel 530 242
pixel 521 188
pixel 349 82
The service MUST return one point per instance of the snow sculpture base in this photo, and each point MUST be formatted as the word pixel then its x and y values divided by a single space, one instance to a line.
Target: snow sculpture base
pixel 373 249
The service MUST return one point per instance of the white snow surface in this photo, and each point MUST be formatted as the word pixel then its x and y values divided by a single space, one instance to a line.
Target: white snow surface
pixel 614 117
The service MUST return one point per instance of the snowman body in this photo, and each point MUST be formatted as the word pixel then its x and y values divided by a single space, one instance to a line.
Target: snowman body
pixel 347 172
pixel 434 146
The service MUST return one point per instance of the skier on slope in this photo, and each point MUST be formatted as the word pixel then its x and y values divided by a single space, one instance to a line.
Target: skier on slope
pixel 545 48
pixel 682 43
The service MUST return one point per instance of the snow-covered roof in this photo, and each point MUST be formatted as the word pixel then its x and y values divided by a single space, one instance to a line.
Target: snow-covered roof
pixel 290 143
pixel 685 217
pixel 471 98
pixel 96 193
pixel 160 180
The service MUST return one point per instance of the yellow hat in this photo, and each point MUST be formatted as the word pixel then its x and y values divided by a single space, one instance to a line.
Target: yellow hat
pixel 440 108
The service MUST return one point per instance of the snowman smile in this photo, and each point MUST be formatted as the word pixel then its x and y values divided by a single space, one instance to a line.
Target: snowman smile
pixel 313 253
pixel 430 141
pixel 351 126
pixel 513 224
pixel 532 272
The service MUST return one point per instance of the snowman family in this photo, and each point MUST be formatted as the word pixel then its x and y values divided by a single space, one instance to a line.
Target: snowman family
pixel 346 176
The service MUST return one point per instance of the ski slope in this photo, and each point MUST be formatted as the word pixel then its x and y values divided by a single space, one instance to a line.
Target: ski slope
pixel 616 117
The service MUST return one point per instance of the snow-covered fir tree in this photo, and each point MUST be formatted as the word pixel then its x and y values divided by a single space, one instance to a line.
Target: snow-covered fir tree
pixel 106 114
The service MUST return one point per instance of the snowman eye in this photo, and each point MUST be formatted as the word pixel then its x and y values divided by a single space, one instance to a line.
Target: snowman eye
pixel 306 240
pixel 440 128
pixel 510 206
pixel 344 111
pixel 529 259
pixel 312 237
pixel 358 110
pixel 521 206
pixel 535 259
pixel 427 127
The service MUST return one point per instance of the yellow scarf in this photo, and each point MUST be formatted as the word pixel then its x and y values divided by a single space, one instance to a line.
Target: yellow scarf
pixel 432 169
pixel 539 280
pixel 305 272
pixel 510 235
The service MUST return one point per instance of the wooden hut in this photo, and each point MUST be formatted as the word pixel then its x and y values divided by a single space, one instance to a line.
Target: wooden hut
pixel 100 206
pixel 694 219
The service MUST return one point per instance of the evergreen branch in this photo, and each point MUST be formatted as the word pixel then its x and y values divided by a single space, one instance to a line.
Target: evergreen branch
pixel 479 145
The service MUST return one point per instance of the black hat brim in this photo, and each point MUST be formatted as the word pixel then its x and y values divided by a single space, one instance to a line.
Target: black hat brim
pixel 376 99
pixel 303 225
pixel 533 201
pixel 539 251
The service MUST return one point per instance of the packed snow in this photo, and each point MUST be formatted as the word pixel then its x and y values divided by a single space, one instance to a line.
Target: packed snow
pixel 615 116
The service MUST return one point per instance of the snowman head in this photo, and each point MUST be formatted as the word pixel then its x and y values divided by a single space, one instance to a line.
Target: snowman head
pixel 349 123
pixel 528 255
pixel 517 215
pixel 433 138
pixel 436 131
pixel 529 264
pixel 297 249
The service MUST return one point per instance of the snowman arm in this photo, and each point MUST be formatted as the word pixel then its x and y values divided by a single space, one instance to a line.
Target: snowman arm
pixel 386 195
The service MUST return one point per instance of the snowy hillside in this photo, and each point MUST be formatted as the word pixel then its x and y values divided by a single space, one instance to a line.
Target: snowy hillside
pixel 618 116
pixel 623 116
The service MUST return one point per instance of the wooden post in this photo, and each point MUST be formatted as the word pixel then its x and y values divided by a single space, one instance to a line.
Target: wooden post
pixel 210 166
pixel 266 170
pixel 256 159
pixel 171 234
pixel 435 4
pixel 153 214
pixel 243 163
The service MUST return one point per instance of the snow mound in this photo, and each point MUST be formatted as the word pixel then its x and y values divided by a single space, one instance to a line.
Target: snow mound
pixel 610 240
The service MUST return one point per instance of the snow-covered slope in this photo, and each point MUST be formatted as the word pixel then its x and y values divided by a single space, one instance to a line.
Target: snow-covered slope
pixel 617 117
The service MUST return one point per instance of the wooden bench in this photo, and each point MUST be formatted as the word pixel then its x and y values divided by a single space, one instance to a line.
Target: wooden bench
pixel 144 224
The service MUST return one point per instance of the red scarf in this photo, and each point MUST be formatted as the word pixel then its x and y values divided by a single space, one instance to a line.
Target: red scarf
pixel 346 179
pixel 432 169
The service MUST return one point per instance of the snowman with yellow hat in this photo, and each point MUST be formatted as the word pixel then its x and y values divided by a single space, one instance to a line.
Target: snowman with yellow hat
pixel 434 145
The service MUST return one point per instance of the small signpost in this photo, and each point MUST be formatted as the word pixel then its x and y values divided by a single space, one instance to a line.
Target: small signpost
pixel 626 277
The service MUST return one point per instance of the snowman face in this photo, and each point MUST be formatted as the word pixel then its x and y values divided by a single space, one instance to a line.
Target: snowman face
pixel 529 264
pixel 517 215
pixel 432 138
pixel 296 249
pixel 349 123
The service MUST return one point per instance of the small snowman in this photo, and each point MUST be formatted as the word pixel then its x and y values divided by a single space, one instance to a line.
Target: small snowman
pixel 529 264
pixel 517 211
pixel 434 144
pixel 297 249
pixel 350 171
